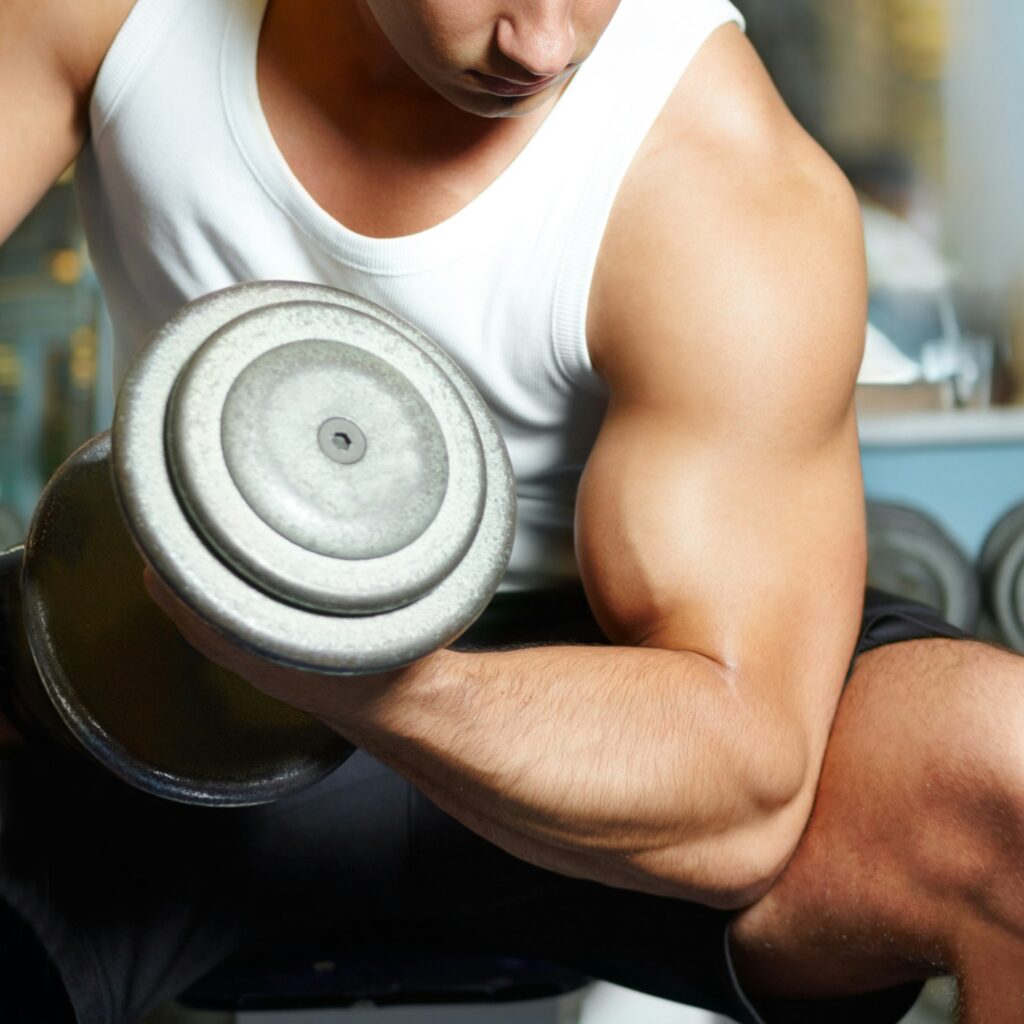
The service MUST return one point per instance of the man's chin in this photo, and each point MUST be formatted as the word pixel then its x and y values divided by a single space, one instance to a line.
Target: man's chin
pixel 492 106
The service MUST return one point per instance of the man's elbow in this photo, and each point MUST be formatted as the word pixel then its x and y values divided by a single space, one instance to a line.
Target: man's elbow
pixel 750 860
pixel 738 861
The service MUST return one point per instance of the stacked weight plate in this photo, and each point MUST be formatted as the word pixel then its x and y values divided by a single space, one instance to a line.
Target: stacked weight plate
pixel 911 555
pixel 308 473
pixel 1002 570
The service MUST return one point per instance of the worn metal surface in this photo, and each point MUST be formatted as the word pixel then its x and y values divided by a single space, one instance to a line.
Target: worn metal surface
pixel 243 443
pixel 223 466
pixel 24 698
pixel 201 573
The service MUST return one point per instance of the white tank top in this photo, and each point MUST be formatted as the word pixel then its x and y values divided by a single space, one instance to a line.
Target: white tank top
pixel 183 190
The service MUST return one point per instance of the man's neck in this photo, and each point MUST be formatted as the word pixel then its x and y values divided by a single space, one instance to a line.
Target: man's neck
pixel 335 55
pixel 373 144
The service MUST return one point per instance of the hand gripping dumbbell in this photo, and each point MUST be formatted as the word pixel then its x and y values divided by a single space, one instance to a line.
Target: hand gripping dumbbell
pixel 314 478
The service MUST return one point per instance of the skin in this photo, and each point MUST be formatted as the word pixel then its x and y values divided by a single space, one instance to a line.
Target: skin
pixel 415 150
pixel 719 527
pixel 910 866
pixel 446 45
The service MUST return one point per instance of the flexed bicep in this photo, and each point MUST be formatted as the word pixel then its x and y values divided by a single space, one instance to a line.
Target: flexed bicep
pixel 721 510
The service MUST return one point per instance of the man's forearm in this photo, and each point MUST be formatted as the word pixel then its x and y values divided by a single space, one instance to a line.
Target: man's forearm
pixel 632 766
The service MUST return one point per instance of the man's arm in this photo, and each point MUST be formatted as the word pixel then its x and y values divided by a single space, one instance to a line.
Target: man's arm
pixel 50 51
pixel 720 540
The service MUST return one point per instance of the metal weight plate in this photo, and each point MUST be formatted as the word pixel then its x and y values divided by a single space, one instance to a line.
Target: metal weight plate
pixel 126 685
pixel 24 696
pixel 1001 566
pixel 998 540
pixel 910 555
pixel 317 607
pixel 244 438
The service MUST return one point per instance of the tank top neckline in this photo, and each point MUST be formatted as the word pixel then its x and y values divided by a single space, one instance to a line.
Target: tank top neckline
pixel 433 246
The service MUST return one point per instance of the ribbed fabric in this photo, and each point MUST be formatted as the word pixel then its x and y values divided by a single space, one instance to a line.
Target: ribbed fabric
pixel 183 190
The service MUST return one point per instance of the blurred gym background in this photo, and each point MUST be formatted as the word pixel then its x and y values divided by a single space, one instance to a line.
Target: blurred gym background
pixel 920 102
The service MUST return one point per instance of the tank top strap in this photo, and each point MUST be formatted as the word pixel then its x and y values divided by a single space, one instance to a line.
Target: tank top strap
pixel 630 78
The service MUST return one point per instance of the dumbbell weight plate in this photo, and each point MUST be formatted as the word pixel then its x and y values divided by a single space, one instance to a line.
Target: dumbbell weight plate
pixel 24 697
pixel 1001 566
pixel 1008 591
pixel 910 555
pixel 126 685
pixel 245 436
pixel 207 577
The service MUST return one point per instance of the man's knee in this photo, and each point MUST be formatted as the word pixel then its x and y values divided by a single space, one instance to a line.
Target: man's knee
pixel 915 841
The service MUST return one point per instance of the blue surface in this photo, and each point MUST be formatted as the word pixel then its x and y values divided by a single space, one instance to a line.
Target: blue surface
pixel 966 487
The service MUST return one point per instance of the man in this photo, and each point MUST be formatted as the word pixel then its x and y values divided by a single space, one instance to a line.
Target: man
pixel 605 212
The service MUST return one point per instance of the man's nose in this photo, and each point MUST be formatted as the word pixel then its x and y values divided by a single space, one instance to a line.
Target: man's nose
pixel 539 36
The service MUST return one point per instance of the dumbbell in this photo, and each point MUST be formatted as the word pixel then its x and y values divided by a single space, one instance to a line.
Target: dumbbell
pixel 912 556
pixel 309 474
pixel 12 527
pixel 1001 566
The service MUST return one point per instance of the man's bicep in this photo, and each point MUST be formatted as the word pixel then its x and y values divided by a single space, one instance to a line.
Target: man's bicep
pixel 746 550
pixel 721 510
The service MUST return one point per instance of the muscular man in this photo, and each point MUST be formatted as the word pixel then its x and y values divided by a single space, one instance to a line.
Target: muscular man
pixel 605 212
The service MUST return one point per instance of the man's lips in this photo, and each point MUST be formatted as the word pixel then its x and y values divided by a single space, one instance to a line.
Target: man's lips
pixel 508 87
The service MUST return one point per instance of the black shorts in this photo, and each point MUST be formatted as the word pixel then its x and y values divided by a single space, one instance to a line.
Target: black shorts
pixel 113 901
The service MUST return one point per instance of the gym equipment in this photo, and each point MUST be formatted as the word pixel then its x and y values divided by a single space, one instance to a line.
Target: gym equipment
pixel 308 473
pixel 237 507
pixel 12 529
pixel 1001 567
pixel 909 554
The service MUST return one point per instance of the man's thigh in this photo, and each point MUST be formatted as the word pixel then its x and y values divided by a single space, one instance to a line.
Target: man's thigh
pixel 909 866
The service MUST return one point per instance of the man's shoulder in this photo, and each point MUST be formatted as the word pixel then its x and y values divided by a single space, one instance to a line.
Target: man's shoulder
pixel 50 54
pixel 726 128
pixel 727 187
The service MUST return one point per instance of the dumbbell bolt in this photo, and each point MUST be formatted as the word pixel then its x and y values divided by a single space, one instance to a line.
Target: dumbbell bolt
pixel 341 440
